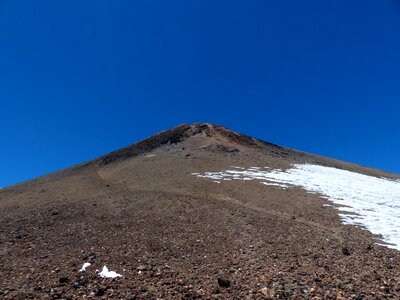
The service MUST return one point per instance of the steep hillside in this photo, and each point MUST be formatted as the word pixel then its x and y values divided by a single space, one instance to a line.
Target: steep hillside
pixel 153 213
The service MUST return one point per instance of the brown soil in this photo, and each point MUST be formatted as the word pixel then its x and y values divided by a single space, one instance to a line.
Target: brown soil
pixel 140 212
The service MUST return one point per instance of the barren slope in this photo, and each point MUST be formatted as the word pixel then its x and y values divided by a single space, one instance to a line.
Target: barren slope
pixel 142 213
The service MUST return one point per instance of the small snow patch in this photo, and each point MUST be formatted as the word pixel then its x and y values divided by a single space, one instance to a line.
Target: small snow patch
pixel 85 265
pixel 105 273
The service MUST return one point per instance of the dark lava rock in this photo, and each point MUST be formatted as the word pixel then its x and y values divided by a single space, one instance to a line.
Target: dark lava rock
pixel 100 292
pixel 190 295
pixel 63 280
pixel 224 283
pixel 346 251
pixel 79 282
pixel 389 266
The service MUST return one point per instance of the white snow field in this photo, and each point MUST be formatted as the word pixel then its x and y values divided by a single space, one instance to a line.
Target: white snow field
pixel 367 201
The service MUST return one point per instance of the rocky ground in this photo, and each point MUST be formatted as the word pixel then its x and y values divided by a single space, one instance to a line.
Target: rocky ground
pixel 171 235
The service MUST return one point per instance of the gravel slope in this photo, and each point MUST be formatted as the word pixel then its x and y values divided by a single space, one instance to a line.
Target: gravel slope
pixel 141 213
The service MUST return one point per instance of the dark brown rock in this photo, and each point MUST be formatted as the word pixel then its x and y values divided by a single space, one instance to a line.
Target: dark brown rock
pixel 224 283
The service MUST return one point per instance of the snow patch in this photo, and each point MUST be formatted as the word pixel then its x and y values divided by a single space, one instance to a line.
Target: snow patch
pixel 361 200
pixel 85 265
pixel 105 273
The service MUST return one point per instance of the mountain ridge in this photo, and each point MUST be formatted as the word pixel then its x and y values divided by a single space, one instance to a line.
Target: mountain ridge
pixel 185 131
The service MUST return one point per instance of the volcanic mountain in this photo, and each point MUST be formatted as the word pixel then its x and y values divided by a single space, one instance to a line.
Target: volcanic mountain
pixel 202 212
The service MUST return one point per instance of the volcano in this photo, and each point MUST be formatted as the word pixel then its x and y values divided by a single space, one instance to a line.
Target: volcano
pixel 203 212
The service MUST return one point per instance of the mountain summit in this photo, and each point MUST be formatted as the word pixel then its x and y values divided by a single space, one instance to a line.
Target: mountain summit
pixel 202 212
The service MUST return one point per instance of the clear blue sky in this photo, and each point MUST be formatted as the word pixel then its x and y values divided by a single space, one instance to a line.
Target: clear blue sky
pixel 79 79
